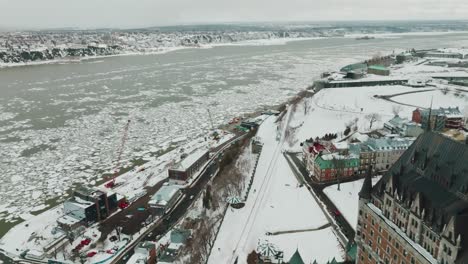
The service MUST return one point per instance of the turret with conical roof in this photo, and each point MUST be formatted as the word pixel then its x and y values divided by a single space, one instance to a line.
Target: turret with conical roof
pixel 296 258
pixel 366 189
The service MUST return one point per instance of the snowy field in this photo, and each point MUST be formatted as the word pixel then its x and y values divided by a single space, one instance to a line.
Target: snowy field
pixel 330 109
pixel 347 198
pixel 276 203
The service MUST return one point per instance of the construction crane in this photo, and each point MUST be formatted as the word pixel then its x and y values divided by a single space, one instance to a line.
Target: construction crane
pixel 111 183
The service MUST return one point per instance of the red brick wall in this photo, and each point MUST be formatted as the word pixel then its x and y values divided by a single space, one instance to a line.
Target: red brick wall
pixel 387 240
pixel 417 116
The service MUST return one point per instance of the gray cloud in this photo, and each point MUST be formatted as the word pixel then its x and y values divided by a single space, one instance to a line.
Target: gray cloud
pixel 135 13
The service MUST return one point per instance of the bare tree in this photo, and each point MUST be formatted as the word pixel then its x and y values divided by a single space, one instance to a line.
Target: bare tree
pixel 374 117
pixel 396 109
pixel 339 164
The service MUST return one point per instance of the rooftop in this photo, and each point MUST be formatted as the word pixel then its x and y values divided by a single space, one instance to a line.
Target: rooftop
pixel 447 112
pixel 375 144
pixel 434 169
pixel 164 194
pixel 190 159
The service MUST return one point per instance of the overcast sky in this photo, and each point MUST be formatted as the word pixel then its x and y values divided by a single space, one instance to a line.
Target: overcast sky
pixel 137 13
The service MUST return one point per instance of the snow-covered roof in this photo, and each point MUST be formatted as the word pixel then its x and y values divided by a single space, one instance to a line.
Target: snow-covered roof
pixel 67 220
pixel 137 258
pixel 341 145
pixel 388 143
pixel 338 156
pixel 164 195
pixel 191 159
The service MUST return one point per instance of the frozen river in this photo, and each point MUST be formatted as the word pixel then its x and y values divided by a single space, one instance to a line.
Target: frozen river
pixel 60 124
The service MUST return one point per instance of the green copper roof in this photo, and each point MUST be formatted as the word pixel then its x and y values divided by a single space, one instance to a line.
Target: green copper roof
pixel 354 67
pixel 296 258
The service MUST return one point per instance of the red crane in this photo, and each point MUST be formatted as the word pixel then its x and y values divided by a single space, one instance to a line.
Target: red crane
pixel 111 183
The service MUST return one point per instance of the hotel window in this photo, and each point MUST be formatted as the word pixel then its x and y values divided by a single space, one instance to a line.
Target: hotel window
pixel 412 260
pixel 380 229
pixel 372 232
pixel 379 240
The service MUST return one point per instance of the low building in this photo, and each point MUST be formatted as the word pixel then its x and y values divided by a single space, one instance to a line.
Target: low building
pixel 257 145
pixel 441 54
pixel 335 166
pixel 403 127
pixel 145 253
pixel 180 236
pixel 439 119
pixel 356 67
pixel 69 223
pixel 89 205
pixel 386 151
pixel 417 212
pixel 189 166
pixel 404 57
pixel 311 148
pixel 355 75
pixel 378 70
pixel 164 199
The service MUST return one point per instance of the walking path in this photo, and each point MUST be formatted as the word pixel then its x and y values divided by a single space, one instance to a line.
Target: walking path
pixel 300 230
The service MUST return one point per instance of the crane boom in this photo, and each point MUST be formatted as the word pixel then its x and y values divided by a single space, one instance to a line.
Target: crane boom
pixel 111 183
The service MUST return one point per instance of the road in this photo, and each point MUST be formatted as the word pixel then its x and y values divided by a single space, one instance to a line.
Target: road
pixel 163 225
pixel 325 203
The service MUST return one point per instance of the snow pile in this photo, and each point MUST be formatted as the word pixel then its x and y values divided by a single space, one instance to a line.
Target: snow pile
pixel 347 199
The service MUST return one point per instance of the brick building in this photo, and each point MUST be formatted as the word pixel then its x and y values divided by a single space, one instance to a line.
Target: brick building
pixel 439 119
pixel 189 166
pixel 418 212
pixel 335 166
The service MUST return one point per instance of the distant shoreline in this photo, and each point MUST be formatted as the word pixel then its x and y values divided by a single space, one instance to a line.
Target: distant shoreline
pixel 65 60
pixel 258 42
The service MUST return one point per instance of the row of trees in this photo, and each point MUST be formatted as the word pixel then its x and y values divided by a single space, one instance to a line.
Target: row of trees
pixel 230 181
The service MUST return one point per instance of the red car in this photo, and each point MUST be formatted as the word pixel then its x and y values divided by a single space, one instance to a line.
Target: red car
pixel 336 213
pixel 91 254
pixel 86 241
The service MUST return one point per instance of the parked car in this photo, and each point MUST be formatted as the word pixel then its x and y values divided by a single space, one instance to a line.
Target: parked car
pixel 336 213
